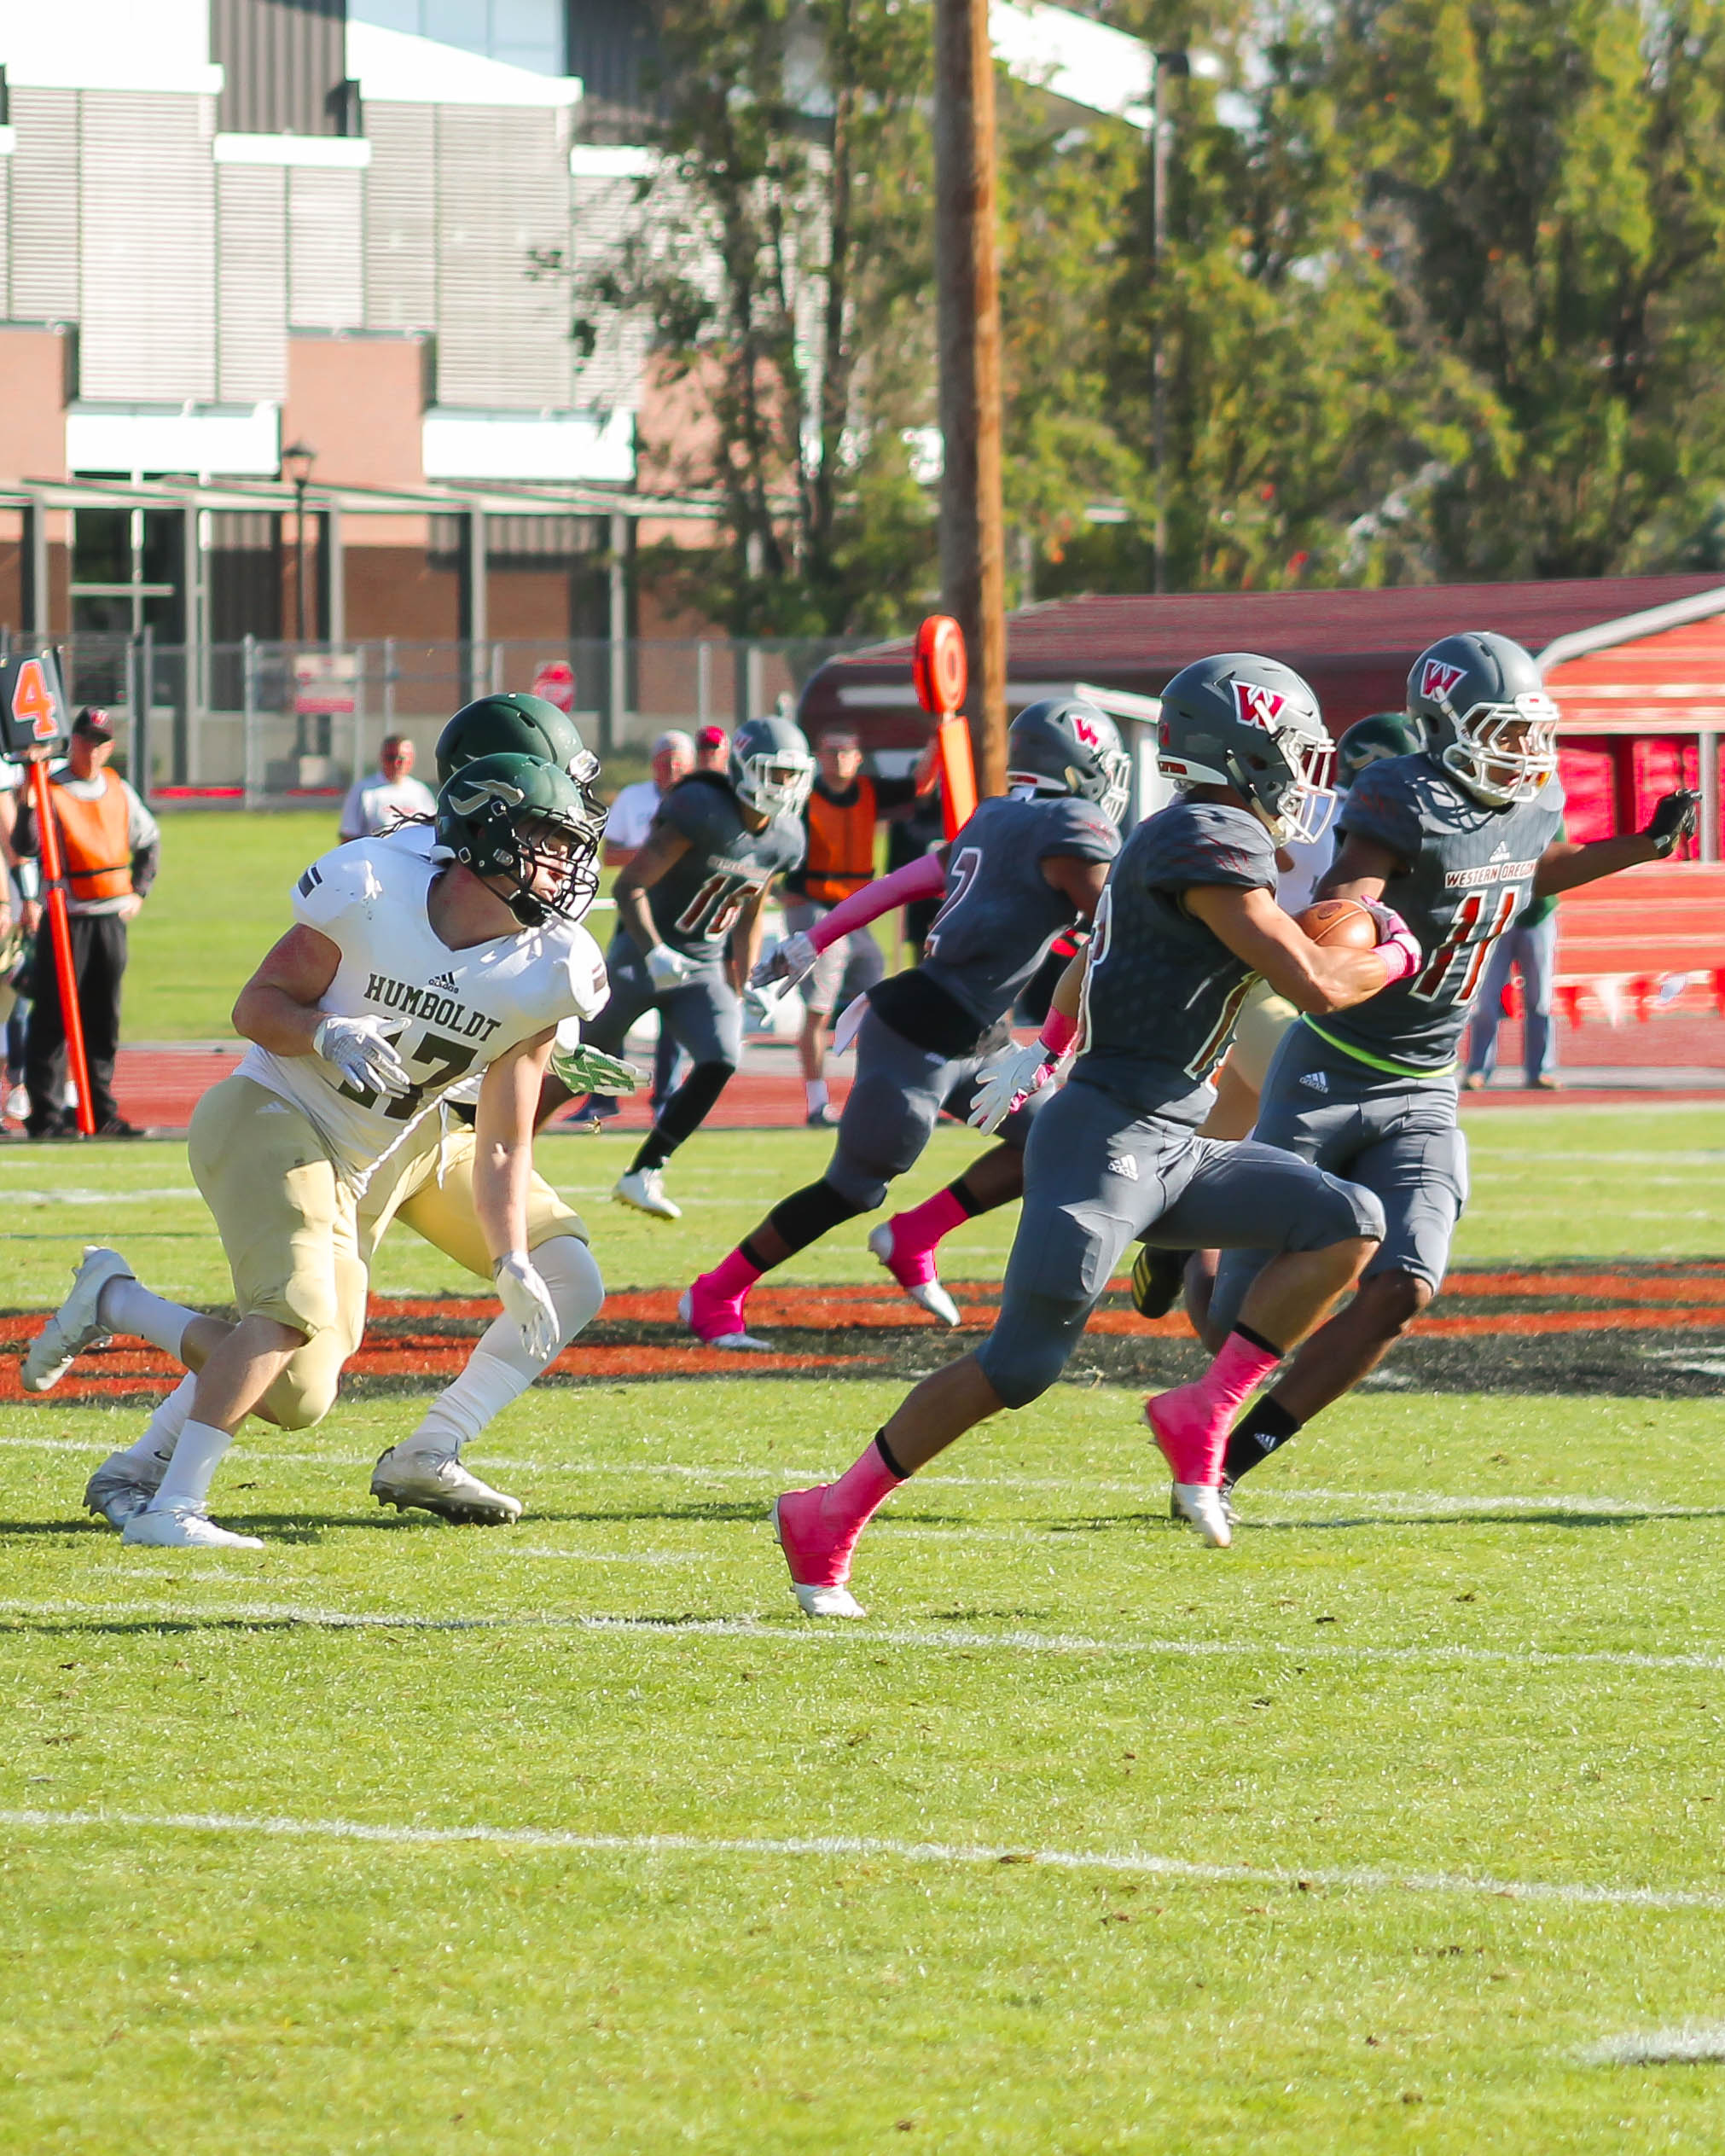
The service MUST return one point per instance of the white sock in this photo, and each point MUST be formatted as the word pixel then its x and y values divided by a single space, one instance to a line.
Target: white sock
pixel 156 1448
pixel 197 1457
pixel 815 1093
pixel 128 1306
pixel 498 1369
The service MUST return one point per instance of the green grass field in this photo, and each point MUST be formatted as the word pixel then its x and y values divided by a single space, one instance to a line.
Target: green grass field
pixel 397 1837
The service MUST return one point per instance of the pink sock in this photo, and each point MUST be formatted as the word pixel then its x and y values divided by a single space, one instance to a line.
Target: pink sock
pixel 859 1492
pixel 732 1277
pixel 922 1227
pixel 1240 1368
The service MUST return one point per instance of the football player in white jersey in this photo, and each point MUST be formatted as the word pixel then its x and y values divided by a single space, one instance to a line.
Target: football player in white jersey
pixel 404 974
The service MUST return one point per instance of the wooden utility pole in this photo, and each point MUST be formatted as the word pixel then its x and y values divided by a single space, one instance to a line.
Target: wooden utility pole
pixel 973 563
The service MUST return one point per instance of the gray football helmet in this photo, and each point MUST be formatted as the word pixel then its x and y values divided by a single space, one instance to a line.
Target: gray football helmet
pixel 771 769
pixel 1065 746
pixel 1251 723
pixel 1488 719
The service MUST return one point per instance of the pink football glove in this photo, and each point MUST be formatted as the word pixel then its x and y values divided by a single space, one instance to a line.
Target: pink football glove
pixel 1397 945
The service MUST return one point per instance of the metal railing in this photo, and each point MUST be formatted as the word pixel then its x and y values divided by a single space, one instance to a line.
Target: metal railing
pixel 229 722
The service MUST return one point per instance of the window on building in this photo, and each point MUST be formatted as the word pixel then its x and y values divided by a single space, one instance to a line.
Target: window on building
pixel 126 571
pixel 525 33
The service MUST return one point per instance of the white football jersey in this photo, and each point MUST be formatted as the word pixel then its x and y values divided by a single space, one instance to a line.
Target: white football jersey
pixel 455 1011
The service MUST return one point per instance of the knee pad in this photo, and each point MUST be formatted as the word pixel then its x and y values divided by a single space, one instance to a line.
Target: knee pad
pixel 1030 1346
pixel 305 1391
pixel 569 1269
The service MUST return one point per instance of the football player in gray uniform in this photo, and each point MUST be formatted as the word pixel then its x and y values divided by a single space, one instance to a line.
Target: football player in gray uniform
pixel 1027 865
pixel 1457 839
pixel 1188 921
pixel 688 908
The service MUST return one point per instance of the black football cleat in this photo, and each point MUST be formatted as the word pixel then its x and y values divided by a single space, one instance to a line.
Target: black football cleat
pixel 1157 1278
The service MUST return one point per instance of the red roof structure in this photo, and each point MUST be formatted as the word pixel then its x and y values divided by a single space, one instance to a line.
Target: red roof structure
pixel 1354 647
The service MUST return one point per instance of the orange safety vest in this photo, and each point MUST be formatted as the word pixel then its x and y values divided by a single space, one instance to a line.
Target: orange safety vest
pixel 93 837
pixel 841 846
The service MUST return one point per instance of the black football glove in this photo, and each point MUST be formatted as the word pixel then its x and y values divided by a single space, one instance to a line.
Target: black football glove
pixel 1675 818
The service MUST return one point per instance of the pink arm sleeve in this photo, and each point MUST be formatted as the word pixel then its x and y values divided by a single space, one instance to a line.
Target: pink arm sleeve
pixel 1059 1032
pixel 923 878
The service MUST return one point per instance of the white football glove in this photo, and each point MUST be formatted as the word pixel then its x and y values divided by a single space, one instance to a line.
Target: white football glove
pixel 363 1050
pixel 669 968
pixel 522 1291
pixel 789 963
pixel 1009 1086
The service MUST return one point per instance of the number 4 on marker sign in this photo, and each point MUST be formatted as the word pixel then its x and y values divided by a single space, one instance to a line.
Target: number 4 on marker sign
pixel 33 702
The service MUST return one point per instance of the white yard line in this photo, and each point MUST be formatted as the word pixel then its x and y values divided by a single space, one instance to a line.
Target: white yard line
pixel 1149 1491
pixel 1142 1863
pixel 921 1637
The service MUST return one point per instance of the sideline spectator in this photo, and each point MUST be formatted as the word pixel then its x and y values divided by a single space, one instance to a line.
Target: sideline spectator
pixel 844 808
pixel 633 811
pixel 1529 945
pixel 389 796
pixel 20 915
pixel 111 844
pixel 712 750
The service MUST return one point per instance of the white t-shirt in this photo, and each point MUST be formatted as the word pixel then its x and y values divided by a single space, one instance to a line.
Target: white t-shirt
pixel 374 804
pixel 632 813
pixel 457 1011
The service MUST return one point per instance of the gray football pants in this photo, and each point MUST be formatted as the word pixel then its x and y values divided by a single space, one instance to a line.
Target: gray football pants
pixel 1397 1138
pixel 705 1015
pixel 894 1103
pixel 1098 1176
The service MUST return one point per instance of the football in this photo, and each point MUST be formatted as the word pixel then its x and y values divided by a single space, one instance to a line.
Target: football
pixel 1343 922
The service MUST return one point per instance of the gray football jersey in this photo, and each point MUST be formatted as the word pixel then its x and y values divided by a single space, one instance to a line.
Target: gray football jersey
pixel 1001 913
pixel 695 903
pixel 1468 871
pixel 1163 991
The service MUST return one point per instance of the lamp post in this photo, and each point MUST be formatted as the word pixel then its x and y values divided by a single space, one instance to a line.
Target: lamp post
pixel 296 462
pixel 1177 63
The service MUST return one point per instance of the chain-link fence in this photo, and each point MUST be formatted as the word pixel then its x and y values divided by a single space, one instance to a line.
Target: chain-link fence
pixel 267 722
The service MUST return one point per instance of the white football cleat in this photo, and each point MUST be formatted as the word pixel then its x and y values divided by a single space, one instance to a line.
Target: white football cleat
pixel 1227 1509
pixel 828 1601
pixel 742 1343
pixel 1207 1509
pixel 644 1190
pixel 928 1294
pixel 75 1325
pixel 17 1105
pixel 405 1480
pixel 181 1527
pixel 118 1488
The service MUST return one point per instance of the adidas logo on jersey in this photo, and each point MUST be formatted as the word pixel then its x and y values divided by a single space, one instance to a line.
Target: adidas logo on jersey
pixel 1319 1081
pixel 444 981
pixel 1122 1164
pixel 1500 851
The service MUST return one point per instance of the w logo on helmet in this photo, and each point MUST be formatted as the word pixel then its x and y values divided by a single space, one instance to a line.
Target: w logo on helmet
pixel 478 793
pixel 1437 678
pixel 1258 706
pixel 1086 732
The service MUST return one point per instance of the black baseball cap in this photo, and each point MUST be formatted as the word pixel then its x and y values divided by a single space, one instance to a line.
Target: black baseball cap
pixel 94 725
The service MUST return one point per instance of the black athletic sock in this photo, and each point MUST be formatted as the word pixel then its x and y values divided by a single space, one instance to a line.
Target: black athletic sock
pixel 967 1198
pixel 1257 1341
pixel 683 1114
pixel 807 1215
pixel 1258 1432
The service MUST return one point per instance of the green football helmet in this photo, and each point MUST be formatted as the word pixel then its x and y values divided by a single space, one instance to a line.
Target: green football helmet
pixel 514 726
pixel 1368 740
pixel 508 817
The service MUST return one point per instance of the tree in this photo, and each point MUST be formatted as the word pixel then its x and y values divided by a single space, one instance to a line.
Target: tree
pixel 785 262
